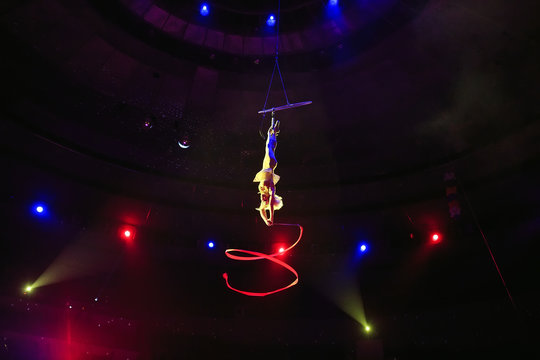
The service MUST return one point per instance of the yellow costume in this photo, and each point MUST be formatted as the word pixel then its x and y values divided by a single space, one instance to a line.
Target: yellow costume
pixel 267 179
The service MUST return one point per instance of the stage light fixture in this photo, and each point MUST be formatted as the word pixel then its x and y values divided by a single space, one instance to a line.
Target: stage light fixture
pixel 148 124
pixel 211 244
pixel 281 249
pixel 367 328
pixel 435 238
pixel 39 209
pixel 28 289
pixel 362 248
pixel 127 232
pixel 332 9
pixel 184 142
pixel 271 21
pixel 205 9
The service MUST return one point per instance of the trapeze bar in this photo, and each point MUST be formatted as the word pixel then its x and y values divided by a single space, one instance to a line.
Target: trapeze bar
pixel 285 107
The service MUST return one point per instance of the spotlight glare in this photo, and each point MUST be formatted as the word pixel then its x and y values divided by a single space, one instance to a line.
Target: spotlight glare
pixel 332 8
pixel 211 244
pixel 28 289
pixel 281 250
pixel 367 328
pixel 271 21
pixel 205 10
pixel 363 247
pixel 39 209
pixel 435 238
pixel 127 233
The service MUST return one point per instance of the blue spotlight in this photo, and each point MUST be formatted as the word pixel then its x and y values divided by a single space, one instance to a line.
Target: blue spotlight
pixel 271 21
pixel 205 9
pixel 332 9
pixel 363 247
pixel 211 244
pixel 39 209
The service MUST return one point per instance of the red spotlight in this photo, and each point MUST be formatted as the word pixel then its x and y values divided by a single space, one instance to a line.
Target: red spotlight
pixel 279 247
pixel 127 232
pixel 435 238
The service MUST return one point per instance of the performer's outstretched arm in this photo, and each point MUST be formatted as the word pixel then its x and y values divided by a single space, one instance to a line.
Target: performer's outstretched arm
pixel 272 193
pixel 264 216
pixel 267 204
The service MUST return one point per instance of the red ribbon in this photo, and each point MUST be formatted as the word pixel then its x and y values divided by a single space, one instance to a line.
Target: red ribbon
pixel 254 255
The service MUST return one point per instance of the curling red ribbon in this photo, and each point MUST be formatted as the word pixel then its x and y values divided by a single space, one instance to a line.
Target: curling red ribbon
pixel 254 255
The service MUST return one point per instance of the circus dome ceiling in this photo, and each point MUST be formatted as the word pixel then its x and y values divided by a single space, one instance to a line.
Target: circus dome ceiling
pixel 236 35
pixel 437 84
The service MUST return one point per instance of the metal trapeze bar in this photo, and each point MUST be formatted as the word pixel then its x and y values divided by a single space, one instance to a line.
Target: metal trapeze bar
pixel 285 107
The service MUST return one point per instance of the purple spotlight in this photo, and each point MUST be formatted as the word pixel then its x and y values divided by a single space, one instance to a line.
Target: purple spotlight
pixel 271 21
pixel 205 9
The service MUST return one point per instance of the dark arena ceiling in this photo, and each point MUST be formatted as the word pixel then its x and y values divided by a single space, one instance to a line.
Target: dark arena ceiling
pixel 425 118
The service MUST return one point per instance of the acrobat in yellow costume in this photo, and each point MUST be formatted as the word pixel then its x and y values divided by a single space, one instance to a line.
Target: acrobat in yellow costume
pixel 268 179
pixel 270 201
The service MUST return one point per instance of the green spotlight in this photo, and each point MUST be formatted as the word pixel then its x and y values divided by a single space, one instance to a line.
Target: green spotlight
pixel 28 289
pixel 367 328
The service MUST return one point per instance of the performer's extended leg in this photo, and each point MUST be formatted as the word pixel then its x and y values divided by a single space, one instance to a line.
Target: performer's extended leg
pixel 271 143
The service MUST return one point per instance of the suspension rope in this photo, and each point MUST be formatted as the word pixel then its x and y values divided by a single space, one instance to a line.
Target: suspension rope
pixel 282 84
pixel 276 65
pixel 277 29
pixel 266 101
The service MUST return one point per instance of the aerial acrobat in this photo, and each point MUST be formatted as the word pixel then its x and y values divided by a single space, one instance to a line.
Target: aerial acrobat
pixel 268 179
pixel 270 201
